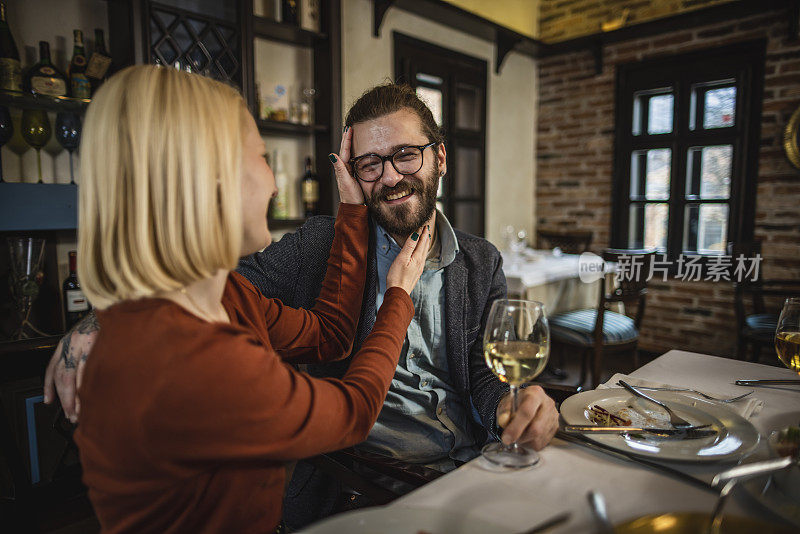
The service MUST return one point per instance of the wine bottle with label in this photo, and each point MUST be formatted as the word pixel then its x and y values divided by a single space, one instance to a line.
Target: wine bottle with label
pixel 78 81
pixel 76 306
pixel 44 78
pixel 310 190
pixel 281 202
pixel 99 63
pixel 10 67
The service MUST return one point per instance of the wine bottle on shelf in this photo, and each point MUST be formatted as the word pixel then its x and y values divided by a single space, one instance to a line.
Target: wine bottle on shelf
pixel 75 304
pixel 44 78
pixel 310 190
pixel 10 67
pixel 99 63
pixel 280 204
pixel 78 81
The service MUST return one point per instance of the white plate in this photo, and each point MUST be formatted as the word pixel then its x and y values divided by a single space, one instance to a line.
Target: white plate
pixel 399 520
pixel 736 436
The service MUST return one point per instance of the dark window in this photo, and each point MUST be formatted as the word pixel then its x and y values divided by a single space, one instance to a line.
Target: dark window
pixel 453 85
pixel 686 149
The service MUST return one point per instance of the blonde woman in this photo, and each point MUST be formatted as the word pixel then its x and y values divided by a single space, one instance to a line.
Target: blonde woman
pixel 190 409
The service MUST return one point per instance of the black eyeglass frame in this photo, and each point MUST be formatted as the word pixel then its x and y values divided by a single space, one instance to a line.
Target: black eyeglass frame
pixel 390 159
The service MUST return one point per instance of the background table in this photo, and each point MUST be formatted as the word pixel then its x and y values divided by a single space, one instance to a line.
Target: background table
pixel 519 500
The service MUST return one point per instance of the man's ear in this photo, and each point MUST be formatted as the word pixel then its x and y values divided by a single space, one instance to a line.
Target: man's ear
pixel 441 159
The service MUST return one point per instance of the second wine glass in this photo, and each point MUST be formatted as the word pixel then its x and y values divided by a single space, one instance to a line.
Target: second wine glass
pixel 787 335
pixel 516 345
pixel 36 132
pixel 68 135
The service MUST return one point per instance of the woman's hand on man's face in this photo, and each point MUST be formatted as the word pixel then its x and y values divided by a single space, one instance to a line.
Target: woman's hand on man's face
pixel 349 190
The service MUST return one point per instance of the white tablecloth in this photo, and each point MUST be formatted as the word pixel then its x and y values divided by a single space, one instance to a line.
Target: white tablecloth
pixel 552 280
pixel 519 500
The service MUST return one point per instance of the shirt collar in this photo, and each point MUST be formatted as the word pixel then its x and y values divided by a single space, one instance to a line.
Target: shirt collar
pixel 444 240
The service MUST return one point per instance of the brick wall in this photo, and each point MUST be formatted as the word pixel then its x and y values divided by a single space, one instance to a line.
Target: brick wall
pixel 574 170
pixel 564 19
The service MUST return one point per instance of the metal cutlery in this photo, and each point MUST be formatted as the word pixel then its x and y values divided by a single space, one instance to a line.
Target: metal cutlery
pixel 693 432
pixel 704 395
pixel 674 419
pixel 598 505
pixel 766 382
pixel 550 523
pixel 754 469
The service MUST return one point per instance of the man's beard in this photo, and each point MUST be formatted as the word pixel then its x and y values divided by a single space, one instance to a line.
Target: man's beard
pixel 403 219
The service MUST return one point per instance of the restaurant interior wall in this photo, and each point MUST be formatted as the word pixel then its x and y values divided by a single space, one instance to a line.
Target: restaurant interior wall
pixel 574 169
pixel 53 21
pixel 565 19
pixel 511 117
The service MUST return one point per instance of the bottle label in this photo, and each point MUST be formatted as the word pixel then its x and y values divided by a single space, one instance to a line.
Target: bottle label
pixel 76 301
pixel 310 191
pixel 49 86
pixel 81 88
pixel 98 66
pixel 10 74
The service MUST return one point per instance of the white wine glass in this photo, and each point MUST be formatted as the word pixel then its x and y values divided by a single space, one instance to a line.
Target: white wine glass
pixel 787 335
pixel 516 345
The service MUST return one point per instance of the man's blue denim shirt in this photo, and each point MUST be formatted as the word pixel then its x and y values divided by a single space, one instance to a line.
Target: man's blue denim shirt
pixel 423 419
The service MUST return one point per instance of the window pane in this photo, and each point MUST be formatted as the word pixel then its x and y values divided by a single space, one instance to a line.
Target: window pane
pixel 706 228
pixel 720 106
pixel 469 107
pixel 713 177
pixel 468 172
pixel 468 217
pixel 429 78
pixel 654 166
pixel 433 98
pixel 648 226
pixel 659 115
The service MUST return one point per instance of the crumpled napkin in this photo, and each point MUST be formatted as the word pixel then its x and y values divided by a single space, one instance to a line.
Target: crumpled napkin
pixel 747 407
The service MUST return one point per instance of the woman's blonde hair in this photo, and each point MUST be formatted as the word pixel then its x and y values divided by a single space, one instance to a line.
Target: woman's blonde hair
pixel 160 194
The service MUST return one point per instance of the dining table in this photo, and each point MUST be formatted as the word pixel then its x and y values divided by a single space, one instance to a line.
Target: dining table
pixel 517 500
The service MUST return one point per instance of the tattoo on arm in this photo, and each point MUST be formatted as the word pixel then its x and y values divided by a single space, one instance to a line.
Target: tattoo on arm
pixel 88 324
pixel 69 360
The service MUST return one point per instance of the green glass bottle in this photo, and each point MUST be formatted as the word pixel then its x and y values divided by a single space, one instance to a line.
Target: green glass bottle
pixel 99 63
pixel 10 67
pixel 78 81
pixel 44 78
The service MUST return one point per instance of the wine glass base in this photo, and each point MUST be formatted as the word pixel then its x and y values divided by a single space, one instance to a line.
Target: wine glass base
pixel 513 456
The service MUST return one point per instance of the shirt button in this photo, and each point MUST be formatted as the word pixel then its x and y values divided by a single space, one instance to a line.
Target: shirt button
pixel 411 356
pixel 423 383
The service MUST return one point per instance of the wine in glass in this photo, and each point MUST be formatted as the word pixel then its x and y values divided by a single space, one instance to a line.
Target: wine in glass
pixel 6 131
pixel 516 345
pixel 68 135
pixel 36 131
pixel 787 336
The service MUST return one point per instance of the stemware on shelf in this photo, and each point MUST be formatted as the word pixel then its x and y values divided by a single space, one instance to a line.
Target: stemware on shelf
pixel 68 135
pixel 25 278
pixel 36 131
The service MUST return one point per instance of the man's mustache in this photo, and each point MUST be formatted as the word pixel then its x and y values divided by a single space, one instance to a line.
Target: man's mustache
pixel 415 184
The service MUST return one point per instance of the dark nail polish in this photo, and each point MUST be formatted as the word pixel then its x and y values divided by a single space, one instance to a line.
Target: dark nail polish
pixel 415 236
pixel 332 158
pixel 345 129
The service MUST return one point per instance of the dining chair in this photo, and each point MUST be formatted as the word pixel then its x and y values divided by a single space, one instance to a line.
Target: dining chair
pixel 595 333
pixel 575 242
pixel 349 465
pixel 757 320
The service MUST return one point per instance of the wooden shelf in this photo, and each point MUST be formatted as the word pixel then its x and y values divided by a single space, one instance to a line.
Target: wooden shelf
pixel 38 206
pixel 47 343
pixel 264 28
pixel 289 128
pixel 50 103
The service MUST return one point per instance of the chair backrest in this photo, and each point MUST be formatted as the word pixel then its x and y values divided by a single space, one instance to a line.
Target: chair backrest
pixel 631 280
pixel 575 242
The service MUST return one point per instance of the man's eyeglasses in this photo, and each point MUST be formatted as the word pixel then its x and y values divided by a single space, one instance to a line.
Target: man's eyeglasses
pixel 406 160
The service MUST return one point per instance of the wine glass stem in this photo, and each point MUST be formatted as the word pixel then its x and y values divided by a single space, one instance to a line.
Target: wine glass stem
pixel 513 389
pixel 71 175
pixel 39 163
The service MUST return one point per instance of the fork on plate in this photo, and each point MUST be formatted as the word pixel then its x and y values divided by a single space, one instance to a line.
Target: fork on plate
pixel 704 395
pixel 674 419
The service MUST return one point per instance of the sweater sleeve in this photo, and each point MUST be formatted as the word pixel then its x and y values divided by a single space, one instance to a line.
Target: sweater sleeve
pixel 233 400
pixel 326 332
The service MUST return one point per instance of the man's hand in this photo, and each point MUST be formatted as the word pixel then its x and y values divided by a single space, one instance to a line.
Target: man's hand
pixel 65 370
pixel 535 422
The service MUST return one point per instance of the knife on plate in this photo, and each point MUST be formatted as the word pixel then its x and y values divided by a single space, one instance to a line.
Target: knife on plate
pixel 694 432
pixel 765 382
